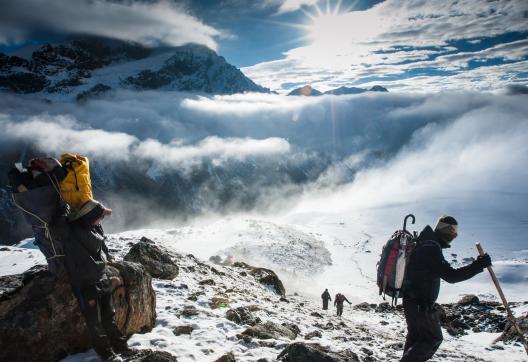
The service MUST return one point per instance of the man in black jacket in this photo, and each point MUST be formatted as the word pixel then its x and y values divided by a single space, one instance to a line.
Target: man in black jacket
pixel 325 297
pixel 422 286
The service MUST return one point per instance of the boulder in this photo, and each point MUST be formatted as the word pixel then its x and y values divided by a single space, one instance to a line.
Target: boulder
pixel 362 306
pixel 157 260
pixel 469 299
pixel 242 315
pixel 264 276
pixel 312 352
pixel 185 329
pixel 292 327
pixel 218 301
pixel 40 318
pixel 313 334
pixel 383 307
pixel 269 330
pixel 228 357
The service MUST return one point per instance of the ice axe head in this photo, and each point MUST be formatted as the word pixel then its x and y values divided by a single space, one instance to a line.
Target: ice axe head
pixel 405 221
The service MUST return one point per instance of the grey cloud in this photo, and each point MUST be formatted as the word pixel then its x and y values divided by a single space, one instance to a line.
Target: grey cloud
pixel 150 23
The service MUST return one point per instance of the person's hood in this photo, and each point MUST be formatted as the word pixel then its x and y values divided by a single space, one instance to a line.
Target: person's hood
pixel 428 234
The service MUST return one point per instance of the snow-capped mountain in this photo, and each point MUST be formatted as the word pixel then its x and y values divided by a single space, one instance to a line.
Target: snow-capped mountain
pixel 85 67
pixel 306 90
pixel 309 91
pixel 355 90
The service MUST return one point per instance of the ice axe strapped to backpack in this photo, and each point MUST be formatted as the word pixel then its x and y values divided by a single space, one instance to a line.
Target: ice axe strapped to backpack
pixel 393 261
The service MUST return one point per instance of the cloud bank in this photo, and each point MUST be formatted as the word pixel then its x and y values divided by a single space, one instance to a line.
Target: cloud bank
pixel 271 153
pixel 149 23
pixel 410 46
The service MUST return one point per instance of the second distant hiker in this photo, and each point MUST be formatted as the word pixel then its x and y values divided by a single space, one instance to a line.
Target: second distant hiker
pixel 339 300
pixel 326 297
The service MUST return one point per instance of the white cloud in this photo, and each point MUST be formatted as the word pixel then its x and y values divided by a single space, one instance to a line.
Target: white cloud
pixel 345 47
pixel 160 22
pixel 293 5
pixel 59 134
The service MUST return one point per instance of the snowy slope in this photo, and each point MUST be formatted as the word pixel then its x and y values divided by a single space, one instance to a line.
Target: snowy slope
pixel 371 335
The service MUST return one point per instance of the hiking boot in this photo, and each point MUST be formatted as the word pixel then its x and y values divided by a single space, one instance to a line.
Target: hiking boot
pixel 120 346
pixel 107 355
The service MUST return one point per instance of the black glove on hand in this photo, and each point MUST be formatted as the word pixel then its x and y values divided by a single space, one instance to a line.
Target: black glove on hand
pixel 483 261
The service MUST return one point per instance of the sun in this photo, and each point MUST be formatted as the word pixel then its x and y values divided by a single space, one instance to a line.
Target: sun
pixel 327 25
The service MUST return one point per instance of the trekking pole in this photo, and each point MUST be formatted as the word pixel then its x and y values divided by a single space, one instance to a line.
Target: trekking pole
pixel 504 302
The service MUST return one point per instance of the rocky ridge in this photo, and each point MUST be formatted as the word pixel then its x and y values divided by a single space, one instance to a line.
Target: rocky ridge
pixel 88 67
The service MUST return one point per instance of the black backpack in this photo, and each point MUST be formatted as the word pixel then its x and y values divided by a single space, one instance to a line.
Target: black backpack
pixel 393 262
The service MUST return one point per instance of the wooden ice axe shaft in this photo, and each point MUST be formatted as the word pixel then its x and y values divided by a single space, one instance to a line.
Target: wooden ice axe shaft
pixel 504 302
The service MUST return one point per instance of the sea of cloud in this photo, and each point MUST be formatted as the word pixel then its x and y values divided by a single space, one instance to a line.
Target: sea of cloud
pixel 459 152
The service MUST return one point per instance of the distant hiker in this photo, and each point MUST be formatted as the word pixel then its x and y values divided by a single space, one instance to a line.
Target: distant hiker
pixel 70 235
pixel 326 297
pixel 422 285
pixel 338 302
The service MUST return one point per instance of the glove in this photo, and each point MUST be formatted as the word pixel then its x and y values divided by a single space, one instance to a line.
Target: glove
pixel 483 261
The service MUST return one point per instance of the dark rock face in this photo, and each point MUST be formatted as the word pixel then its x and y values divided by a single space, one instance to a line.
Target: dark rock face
pixel 195 68
pixel 228 357
pixel 265 276
pixel 156 260
pixel 312 352
pixel 242 315
pixel 40 319
pixel 269 330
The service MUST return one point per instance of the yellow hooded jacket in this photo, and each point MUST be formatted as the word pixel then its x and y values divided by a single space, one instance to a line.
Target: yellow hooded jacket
pixel 76 188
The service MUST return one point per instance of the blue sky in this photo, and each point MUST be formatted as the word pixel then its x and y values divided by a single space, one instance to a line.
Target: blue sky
pixel 412 45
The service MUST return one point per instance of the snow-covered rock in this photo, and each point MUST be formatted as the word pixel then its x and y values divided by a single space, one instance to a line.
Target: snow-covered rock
pixel 40 317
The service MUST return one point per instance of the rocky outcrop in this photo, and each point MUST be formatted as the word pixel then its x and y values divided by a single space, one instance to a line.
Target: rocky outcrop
pixel 313 334
pixel 147 355
pixel 242 315
pixel 40 319
pixel 312 352
pixel 228 357
pixel 265 276
pixel 510 334
pixel 269 330
pixel 156 260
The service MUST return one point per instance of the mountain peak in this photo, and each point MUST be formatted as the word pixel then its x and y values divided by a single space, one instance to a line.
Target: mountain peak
pixel 78 65
pixel 306 91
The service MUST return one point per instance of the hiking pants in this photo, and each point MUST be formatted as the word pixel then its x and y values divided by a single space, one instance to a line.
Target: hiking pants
pixel 424 334
pixel 325 304
pixel 339 309
pixel 96 305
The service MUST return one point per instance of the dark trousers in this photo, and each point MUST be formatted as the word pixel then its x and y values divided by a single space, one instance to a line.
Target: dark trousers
pixel 339 309
pixel 325 304
pixel 424 334
pixel 96 305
